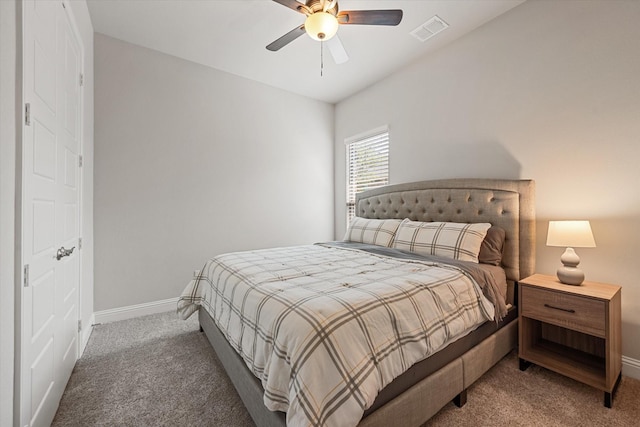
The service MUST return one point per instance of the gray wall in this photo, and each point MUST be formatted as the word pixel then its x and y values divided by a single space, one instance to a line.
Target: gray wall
pixel 192 162
pixel 548 91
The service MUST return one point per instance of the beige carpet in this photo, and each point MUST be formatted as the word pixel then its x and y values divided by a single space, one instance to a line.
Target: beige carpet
pixel 160 371
pixel 150 371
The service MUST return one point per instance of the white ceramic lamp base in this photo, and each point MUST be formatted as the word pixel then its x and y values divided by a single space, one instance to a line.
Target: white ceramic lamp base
pixel 569 273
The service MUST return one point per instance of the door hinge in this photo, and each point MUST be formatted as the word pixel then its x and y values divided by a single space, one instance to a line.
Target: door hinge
pixel 26 275
pixel 81 79
pixel 27 114
pixel 79 325
pixel 79 161
pixel 79 243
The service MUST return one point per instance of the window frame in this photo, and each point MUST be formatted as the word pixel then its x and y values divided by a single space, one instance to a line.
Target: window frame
pixel 364 138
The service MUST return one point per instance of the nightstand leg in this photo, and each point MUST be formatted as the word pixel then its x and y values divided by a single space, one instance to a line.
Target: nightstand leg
pixel 524 364
pixel 608 397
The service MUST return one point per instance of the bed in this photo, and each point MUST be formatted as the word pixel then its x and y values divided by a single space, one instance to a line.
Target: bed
pixel 414 394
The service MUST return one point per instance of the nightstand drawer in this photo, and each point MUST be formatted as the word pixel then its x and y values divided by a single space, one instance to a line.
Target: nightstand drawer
pixel 571 311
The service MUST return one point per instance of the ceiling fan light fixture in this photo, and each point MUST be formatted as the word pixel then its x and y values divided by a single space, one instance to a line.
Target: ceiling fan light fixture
pixel 321 26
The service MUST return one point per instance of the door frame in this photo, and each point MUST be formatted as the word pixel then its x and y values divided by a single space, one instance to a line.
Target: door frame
pixel 10 142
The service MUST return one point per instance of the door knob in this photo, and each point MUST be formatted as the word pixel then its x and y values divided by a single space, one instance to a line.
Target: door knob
pixel 62 252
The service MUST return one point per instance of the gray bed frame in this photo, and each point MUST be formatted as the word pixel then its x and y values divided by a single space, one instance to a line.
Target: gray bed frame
pixel 509 204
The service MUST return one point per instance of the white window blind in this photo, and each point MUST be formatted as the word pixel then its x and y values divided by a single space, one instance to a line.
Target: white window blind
pixel 367 165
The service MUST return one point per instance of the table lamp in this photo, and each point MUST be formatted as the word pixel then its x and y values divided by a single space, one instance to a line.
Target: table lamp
pixel 570 234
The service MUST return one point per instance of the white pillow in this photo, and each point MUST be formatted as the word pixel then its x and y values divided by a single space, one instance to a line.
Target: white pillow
pixel 372 231
pixel 447 239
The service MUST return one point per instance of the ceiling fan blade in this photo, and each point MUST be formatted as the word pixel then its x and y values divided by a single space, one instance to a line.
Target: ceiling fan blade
pixel 337 50
pixel 293 4
pixel 370 17
pixel 286 39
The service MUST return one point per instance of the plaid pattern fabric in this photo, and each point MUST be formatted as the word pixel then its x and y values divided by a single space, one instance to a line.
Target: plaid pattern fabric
pixel 372 231
pixel 448 239
pixel 325 329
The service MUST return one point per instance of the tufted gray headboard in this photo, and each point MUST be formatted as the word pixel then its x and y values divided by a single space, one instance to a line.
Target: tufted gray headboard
pixel 509 204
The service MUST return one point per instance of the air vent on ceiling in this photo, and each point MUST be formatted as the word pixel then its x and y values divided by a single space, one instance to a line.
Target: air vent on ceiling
pixel 430 28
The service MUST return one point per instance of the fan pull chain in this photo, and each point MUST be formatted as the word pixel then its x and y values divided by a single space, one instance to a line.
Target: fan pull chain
pixel 321 58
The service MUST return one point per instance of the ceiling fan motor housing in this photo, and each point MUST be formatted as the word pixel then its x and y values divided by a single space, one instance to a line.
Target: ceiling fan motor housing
pixel 318 6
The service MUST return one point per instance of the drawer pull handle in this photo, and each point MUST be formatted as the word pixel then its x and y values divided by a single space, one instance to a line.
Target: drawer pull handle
pixel 568 310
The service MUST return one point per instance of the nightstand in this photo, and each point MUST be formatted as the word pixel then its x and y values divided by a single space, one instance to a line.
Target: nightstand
pixel 572 330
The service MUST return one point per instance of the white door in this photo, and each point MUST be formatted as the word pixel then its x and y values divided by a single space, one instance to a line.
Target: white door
pixel 50 209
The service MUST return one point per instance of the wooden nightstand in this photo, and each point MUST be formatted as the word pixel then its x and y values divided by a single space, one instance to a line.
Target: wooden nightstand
pixel 572 330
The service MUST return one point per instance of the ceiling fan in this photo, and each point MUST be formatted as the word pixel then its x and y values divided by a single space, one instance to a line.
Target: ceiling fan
pixel 323 20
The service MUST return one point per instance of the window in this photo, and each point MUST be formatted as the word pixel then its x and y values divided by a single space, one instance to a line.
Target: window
pixel 367 164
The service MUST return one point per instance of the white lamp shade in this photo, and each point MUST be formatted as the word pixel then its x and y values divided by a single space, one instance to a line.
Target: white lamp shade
pixel 321 26
pixel 574 234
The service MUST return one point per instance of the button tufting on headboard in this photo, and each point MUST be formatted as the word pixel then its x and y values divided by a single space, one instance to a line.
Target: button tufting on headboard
pixel 508 204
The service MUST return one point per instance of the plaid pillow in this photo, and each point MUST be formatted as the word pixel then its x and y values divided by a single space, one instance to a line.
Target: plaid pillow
pixel 446 239
pixel 372 231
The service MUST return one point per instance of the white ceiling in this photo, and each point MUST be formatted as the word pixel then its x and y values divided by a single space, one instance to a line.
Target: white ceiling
pixel 231 35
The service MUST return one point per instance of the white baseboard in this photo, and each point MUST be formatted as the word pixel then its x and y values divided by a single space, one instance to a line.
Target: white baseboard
pixel 630 367
pixel 137 310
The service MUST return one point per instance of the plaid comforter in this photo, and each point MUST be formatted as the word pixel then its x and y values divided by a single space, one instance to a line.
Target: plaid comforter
pixel 326 328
